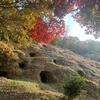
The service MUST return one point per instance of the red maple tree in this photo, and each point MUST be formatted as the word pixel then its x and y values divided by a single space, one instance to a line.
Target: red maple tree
pixel 43 32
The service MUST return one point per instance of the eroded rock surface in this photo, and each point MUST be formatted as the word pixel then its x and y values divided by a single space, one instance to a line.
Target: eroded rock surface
pixel 48 66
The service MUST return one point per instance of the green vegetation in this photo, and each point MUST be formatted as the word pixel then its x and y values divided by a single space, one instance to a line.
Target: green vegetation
pixel 98 63
pixel 89 48
pixel 30 88
pixel 73 85
pixel 22 21
pixel 26 86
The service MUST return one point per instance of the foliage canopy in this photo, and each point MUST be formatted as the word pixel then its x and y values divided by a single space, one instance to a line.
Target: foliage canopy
pixel 88 48
pixel 18 16
pixel 73 85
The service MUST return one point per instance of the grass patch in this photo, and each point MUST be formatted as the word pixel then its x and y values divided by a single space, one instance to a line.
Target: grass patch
pixel 31 89
pixel 98 64
pixel 27 86
pixel 19 85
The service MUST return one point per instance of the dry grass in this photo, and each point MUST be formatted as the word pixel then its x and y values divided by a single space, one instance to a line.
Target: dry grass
pixel 33 88
pixel 26 86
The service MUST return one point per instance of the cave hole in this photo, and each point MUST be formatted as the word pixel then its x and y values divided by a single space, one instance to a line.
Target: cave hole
pixel 46 77
pixel 22 65
pixel 55 61
pixel 32 54
pixel 3 74
pixel 81 73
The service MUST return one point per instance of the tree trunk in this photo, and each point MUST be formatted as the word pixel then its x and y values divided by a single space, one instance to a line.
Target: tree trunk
pixel 70 98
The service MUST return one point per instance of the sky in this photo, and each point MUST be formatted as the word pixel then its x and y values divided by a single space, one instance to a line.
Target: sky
pixel 74 29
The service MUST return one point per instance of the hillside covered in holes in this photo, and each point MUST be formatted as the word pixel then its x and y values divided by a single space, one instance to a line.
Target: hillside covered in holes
pixel 38 73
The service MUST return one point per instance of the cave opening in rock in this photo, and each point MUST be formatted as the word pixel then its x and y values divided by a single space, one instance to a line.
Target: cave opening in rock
pixel 3 74
pixel 55 61
pixel 46 77
pixel 81 73
pixel 32 54
pixel 22 65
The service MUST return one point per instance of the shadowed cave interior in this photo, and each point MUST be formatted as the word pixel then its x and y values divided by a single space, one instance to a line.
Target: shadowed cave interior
pixel 46 77
pixel 3 74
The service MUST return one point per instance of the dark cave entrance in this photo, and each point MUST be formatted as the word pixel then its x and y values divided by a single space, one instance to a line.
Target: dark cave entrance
pixel 81 73
pixel 22 65
pixel 46 77
pixel 55 61
pixel 3 74
pixel 32 54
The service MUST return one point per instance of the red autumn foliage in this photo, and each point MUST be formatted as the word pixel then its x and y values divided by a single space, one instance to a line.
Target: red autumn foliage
pixel 43 32
pixel 69 8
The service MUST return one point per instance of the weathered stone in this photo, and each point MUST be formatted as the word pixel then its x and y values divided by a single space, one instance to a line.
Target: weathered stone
pixel 49 65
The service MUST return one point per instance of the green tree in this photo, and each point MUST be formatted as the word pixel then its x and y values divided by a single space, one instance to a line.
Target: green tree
pixel 17 17
pixel 57 41
pixel 73 85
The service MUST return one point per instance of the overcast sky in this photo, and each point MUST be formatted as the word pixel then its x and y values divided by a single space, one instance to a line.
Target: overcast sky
pixel 75 29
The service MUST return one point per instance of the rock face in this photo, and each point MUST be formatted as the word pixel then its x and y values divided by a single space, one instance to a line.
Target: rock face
pixel 48 66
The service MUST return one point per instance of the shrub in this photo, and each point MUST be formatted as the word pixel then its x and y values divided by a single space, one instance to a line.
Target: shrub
pixel 73 85
pixel 57 41
pixel 7 53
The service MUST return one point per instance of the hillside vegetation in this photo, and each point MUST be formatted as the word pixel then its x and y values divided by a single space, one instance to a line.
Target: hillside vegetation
pixel 88 48
pixel 33 69
pixel 39 72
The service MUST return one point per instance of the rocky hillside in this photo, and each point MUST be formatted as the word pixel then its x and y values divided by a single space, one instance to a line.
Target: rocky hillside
pixel 38 73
